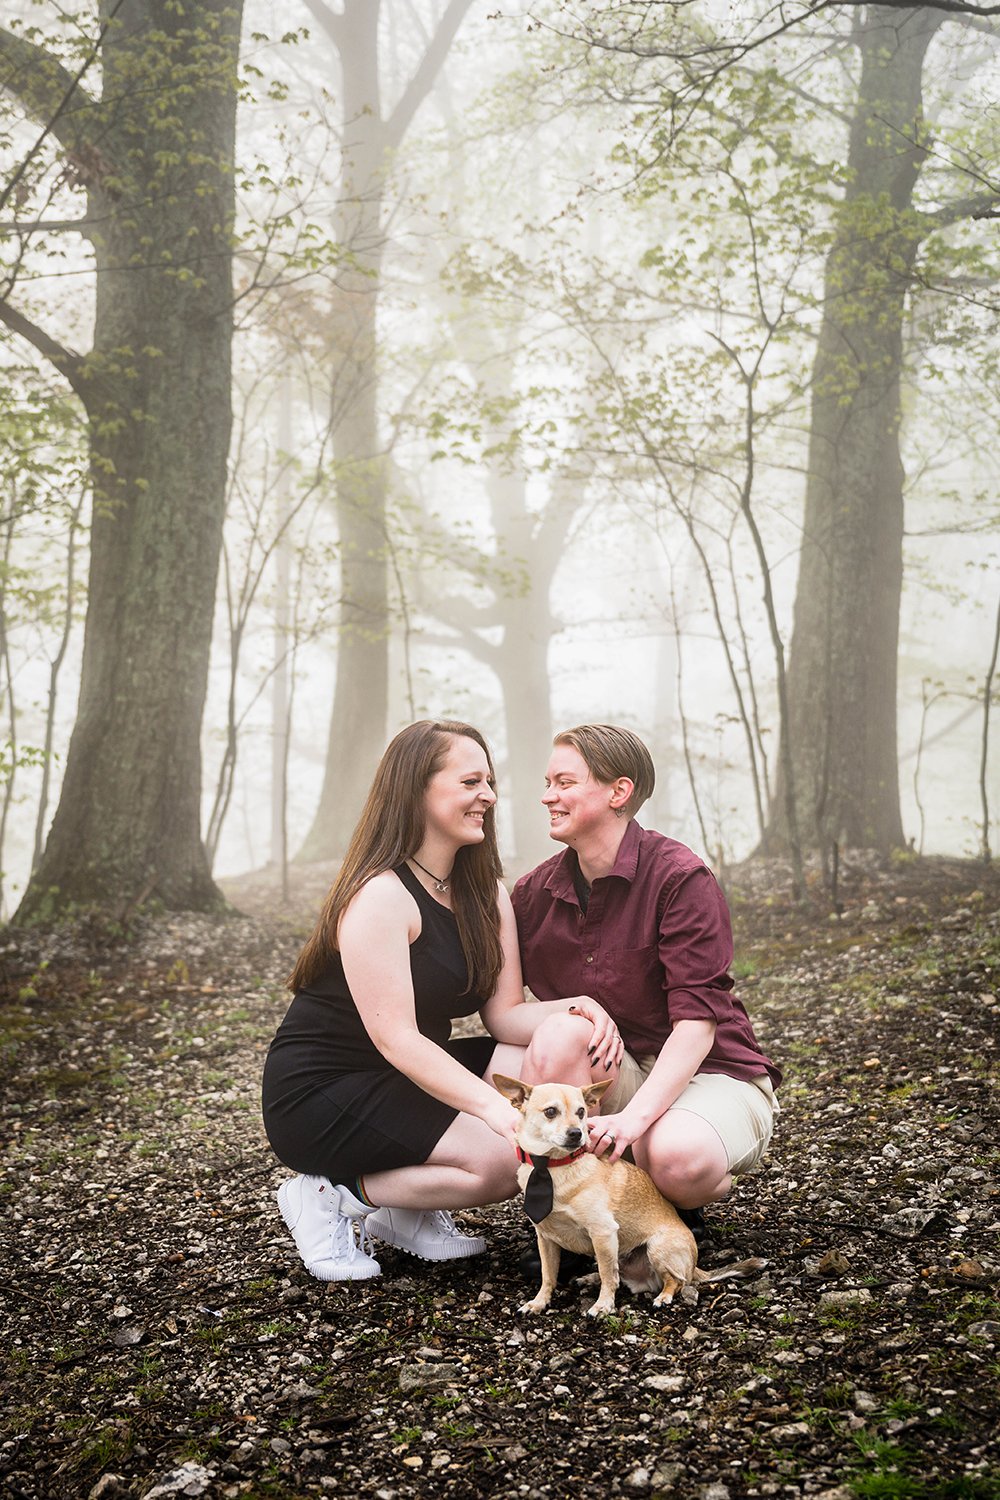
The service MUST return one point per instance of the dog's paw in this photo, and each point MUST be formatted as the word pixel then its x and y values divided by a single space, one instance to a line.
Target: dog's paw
pixel 601 1309
pixel 536 1305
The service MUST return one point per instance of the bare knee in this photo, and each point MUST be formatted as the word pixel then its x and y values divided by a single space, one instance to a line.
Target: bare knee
pixel 688 1179
pixel 557 1052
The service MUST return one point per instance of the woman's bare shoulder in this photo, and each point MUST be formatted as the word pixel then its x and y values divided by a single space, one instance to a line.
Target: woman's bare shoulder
pixel 383 895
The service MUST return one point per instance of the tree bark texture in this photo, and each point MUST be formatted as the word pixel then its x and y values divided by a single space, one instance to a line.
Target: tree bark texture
pixel 157 159
pixel 843 655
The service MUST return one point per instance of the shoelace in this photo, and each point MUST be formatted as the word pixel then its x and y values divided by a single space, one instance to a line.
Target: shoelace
pixel 343 1241
pixel 442 1220
pixel 364 1243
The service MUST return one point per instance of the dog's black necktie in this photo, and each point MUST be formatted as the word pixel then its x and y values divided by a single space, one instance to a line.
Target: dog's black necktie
pixel 538 1193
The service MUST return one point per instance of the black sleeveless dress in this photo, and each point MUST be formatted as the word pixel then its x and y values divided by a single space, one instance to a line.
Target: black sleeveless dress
pixel 332 1105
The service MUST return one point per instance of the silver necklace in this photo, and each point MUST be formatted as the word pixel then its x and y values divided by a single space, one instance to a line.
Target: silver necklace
pixel 440 884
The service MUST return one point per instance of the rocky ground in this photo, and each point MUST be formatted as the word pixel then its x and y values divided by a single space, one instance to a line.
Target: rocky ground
pixel 159 1336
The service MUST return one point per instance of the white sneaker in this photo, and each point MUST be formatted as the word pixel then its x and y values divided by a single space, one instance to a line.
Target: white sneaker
pixel 328 1229
pixel 430 1233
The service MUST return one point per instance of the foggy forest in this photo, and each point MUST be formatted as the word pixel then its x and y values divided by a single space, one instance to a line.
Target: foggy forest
pixel 529 363
pixel 583 363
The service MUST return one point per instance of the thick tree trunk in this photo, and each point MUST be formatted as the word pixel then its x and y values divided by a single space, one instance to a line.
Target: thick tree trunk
pixel 157 389
pixel 842 664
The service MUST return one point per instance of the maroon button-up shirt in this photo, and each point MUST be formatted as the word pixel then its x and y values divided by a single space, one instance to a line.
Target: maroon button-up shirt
pixel 654 947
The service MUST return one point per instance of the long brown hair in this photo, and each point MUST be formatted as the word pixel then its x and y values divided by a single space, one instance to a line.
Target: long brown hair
pixel 390 830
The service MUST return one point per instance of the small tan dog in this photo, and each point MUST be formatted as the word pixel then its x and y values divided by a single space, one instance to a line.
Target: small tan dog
pixel 610 1210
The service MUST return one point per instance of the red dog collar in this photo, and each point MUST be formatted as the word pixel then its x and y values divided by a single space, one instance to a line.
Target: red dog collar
pixel 550 1161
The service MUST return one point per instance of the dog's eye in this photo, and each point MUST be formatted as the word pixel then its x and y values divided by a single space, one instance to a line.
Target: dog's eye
pixel 581 1113
pixel 551 1112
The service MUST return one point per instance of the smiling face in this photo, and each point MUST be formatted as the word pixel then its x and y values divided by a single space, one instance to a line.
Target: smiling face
pixel 578 805
pixel 459 796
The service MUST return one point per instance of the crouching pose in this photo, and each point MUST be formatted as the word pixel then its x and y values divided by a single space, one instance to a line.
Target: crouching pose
pixel 388 1121
pixel 638 920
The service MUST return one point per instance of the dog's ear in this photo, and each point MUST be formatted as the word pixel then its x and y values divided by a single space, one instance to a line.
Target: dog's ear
pixel 595 1091
pixel 512 1089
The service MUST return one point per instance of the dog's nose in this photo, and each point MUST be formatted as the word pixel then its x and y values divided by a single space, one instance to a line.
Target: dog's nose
pixel 574 1136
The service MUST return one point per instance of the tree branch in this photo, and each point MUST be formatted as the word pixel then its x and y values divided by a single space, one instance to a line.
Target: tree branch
pixel 330 21
pixel 45 88
pixel 48 226
pixel 458 614
pixel 467 641
pixel 68 364
pixel 457 551
pixel 949 7
pixel 978 206
pixel 429 67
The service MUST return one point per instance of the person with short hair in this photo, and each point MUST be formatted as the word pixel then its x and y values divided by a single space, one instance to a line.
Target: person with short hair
pixel 639 923
pixel 389 1122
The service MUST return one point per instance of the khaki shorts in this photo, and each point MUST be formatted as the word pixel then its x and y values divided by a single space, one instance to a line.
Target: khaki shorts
pixel 741 1114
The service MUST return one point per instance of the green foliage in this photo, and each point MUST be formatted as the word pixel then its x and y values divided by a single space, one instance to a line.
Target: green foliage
pixel 888 1470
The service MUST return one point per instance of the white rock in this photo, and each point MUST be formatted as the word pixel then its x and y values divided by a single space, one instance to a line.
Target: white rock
pixel 668 1384
pixel 858 1297
pixel 411 1377
pixel 189 1479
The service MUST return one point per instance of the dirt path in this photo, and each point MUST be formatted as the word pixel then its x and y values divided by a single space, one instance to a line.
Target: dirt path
pixel 160 1337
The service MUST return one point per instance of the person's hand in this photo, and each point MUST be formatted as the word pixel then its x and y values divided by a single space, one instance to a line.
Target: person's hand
pixel 504 1119
pixel 610 1135
pixel 606 1047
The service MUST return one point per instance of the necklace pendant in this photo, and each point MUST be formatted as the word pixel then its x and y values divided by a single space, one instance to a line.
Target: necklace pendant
pixel 439 882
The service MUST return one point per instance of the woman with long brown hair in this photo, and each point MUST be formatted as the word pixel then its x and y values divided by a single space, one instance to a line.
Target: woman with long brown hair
pixel 388 1121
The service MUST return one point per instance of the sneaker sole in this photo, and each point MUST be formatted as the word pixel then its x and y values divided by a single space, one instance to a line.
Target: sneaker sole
pixel 328 1271
pixel 458 1251
pixel 322 1270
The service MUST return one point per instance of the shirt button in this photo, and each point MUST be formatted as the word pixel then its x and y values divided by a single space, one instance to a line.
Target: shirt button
pixel 590 958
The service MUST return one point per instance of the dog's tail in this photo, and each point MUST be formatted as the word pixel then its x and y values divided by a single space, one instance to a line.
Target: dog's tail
pixel 741 1269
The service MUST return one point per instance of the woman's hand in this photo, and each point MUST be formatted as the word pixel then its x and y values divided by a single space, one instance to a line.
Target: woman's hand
pixel 502 1117
pixel 606 1046
pixel 610 1135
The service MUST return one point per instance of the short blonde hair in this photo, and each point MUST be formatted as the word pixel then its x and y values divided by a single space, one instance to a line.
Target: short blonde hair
pixel 610 752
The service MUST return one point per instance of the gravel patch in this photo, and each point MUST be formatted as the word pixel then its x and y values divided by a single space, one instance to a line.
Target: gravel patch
pixel 160 1338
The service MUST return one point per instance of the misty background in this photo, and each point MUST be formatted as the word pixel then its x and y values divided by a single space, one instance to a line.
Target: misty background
pixel 632 363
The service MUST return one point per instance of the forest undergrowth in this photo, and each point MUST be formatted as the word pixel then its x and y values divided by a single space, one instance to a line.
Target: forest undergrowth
pixel 159 1336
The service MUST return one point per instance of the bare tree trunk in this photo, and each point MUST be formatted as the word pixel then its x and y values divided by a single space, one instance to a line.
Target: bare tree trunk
pixel 358 722
pixel 157 391
pixel 8 756
pixel 522 659
pixel 841 725
pixel 54 671
pixel 280 684
pixel 985 850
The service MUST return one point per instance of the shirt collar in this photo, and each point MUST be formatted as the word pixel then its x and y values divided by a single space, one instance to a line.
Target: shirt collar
pixel 560 882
